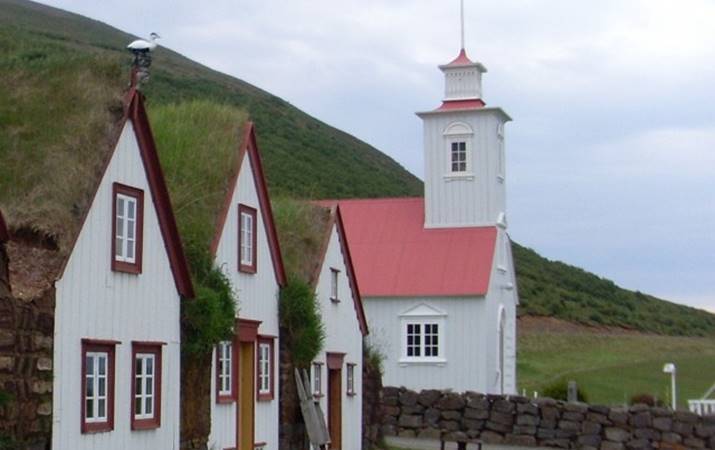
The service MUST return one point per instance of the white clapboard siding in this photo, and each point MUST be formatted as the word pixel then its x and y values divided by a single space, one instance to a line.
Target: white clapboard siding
pixel 474 200
pixel 470 336
pixel 343 335
pixel 95 302
pixel 257 300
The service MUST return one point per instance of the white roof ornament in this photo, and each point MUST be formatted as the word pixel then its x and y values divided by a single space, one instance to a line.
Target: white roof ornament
pixel 141 49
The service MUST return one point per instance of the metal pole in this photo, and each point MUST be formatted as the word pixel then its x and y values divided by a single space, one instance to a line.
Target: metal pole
pixel 461 15
pixel 675 402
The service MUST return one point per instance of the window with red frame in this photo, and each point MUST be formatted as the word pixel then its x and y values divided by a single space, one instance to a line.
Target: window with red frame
pixel 97 385
pixel 247 240
pixel 224 372
pixel 127 228
pixel 264 377
pixel 146 385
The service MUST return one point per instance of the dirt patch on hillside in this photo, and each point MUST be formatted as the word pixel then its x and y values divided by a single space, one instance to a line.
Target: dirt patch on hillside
pixel 541 324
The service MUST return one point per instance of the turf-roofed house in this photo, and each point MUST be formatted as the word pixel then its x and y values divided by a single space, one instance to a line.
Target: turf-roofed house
pixel 97 265
pixel 244 374
pixel 316 251
pixel 436 273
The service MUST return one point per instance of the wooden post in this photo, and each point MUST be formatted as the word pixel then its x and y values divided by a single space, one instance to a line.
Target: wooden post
pixel 572 395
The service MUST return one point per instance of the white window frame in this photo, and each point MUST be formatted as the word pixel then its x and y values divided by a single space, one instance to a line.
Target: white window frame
pixel 264 368
pixel 459 132
pixel 423 315
pixel 334 280
pixel 317 379
pixel 501 162
pixel 143 381
pixel 95 378
pixel 350 379
pixel 248 227
pixel 123 241
pixel 225 368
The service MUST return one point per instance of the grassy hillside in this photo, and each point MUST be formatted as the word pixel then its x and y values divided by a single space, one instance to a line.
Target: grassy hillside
pixel 612 367
pixel 552 288
pixel 62 79
pixel 46 44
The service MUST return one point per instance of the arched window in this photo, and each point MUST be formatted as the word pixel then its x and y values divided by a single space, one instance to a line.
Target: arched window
pixel 500 348
pixel 459 137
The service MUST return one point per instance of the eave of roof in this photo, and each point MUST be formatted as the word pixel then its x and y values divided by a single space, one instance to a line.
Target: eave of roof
pixel 249 145
pixel 134 110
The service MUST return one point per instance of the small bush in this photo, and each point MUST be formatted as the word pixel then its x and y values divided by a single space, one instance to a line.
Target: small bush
pixel 374 358
pixel 300 317
pixel 646 399
pixel 559 391
pixel 208 318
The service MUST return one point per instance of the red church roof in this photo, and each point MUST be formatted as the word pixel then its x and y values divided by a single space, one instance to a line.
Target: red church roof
pixel 395 256
pixel 461 60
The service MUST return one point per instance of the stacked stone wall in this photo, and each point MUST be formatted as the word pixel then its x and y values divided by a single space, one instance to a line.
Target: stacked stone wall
pixel 520 421
pixel 26 330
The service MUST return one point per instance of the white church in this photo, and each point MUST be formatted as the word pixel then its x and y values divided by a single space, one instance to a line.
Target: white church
pixel 436 273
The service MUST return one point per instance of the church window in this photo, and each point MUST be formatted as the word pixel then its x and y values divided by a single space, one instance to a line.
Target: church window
pixel 459 156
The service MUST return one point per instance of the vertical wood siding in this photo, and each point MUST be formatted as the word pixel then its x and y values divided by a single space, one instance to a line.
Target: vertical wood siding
pixel 94 302
pixel 471 337
pixel 343 335
pixel 257 300
pixel 463 201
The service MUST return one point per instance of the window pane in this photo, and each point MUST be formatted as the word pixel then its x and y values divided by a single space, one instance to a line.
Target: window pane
pixel 149 406
pixel 150 386
pixel 101 410
pixel 131 204
pixel 139 366
pixel 138 405
pixel 90 387
pixel 89 408
pixel 131 226
pixel 130 250
pixel 150 365
pixel 102 387
pixel 120 206
pixel 89 361
pixel 138 385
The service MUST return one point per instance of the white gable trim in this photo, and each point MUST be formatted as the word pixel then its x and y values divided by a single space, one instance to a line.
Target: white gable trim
pixel 423 310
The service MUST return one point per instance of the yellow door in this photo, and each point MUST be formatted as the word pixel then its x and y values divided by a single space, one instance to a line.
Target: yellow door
pixel 246 396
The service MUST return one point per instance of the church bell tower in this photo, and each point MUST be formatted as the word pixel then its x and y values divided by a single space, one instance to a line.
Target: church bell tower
pixel 464 152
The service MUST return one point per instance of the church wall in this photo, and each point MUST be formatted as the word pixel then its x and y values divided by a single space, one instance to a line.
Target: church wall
pixel 467 325
pixel 473 199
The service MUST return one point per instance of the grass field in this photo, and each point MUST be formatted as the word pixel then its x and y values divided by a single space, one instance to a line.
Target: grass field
pixel 611 367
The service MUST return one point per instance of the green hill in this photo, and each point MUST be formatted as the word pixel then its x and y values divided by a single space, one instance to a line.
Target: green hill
pixel 63 74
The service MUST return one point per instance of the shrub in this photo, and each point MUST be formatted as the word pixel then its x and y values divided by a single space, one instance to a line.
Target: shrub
pixel 300 317
pixel 209 317
pixel 374 358
pixel 646 399
pixel 558 390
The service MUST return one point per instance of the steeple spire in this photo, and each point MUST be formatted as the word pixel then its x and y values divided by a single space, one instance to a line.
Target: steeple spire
pixel 461 16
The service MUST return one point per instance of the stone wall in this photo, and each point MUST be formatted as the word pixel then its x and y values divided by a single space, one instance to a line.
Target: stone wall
pixel 195 401
pixel 26 329
pixel 541 422
pixel 371 399
pixel 292 435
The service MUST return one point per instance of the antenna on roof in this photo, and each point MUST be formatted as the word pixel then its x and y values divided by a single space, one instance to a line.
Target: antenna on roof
pixel 461 16
pixel 141 49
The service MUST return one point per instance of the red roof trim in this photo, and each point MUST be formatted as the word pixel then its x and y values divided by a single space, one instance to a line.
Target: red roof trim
pixel 134 111
pixel 461 104
pixel 461 60
pixel 160 195
pixel 250 145
pixel 357 298
pixel 4 235
pixel 337 221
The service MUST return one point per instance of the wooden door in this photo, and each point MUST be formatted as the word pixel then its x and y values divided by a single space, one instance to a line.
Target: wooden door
pixel 246 396
pixel 335 407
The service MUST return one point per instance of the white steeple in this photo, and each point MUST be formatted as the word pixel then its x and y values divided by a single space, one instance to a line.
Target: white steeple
pixel 464 151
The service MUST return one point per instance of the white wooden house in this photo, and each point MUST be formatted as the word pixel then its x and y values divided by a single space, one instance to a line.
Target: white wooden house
pixel 336 373
pixel 436 273
pixel 117 318
pixel 244 381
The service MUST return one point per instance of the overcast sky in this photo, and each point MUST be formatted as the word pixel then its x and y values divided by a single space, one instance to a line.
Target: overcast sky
pixel 611 155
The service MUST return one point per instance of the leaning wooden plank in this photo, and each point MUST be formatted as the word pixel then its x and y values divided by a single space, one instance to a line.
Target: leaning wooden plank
pixel 314 423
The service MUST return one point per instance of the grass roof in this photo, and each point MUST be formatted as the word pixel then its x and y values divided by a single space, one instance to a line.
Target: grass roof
pixel 302 227
pixel 198 143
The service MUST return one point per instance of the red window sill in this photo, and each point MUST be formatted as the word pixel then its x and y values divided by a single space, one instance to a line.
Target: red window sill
pixel 145 424
pixel 225 399
pixel 351 394
pixel 264 397
pixel 121 266
pixel 247 269
pixel 101 427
